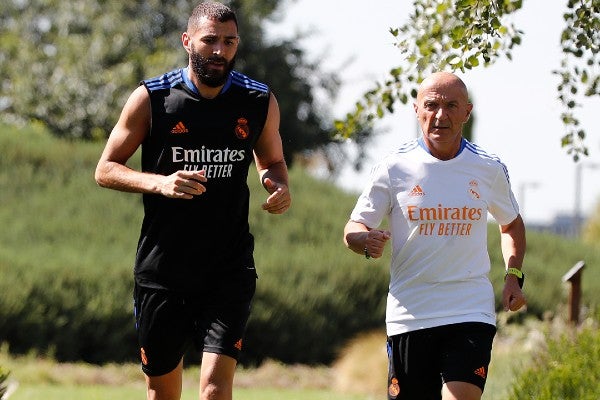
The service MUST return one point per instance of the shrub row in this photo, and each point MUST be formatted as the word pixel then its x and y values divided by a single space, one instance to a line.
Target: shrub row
pixel 298 316
pixel 67 247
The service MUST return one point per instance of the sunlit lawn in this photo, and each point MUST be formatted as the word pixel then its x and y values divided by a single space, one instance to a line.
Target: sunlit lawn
pixel 54 392
pixel 41 378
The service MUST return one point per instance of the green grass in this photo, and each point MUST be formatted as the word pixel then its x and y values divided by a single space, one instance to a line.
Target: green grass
pixel 65 392
pixel 53 392
pixel 43 378
pixel 97 392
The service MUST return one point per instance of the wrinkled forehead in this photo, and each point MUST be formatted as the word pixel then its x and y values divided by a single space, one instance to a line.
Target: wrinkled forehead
pixel 446 91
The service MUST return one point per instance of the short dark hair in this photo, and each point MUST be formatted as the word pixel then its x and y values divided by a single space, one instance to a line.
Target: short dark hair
pixel 211 10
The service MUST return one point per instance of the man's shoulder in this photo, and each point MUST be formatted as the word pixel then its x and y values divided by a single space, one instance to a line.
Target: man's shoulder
pixel 406 149
pixel 405 155
pixel 168 80
pixel 483 160
pixel 240 80
pixel 477 152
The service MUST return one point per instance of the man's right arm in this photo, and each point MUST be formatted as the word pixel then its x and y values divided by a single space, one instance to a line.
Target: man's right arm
pixel 126 137
pixel 362 240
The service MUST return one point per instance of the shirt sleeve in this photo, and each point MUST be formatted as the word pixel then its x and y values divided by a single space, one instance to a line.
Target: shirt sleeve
pixel 374 203
pixel 503 205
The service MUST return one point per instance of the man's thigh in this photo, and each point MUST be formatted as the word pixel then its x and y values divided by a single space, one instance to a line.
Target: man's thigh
pixel 421 361
pixel 163 329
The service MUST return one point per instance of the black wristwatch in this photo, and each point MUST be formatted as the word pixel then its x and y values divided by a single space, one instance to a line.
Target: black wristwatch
pixel 518 273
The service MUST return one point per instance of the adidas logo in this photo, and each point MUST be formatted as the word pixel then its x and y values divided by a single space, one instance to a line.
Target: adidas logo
pixel 416 191
pixel 179 128
pixel 480 372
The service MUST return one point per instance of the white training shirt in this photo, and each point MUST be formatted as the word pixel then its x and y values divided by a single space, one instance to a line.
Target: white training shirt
pixel 437 213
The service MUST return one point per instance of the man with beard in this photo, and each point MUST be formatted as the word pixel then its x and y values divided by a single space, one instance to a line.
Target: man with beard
pixel 199 128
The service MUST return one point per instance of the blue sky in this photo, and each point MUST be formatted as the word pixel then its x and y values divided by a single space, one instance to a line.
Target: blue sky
pixel 516 111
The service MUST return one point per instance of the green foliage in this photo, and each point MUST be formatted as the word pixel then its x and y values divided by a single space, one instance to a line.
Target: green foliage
pixel 72 64
pixel 65 265
pixel 67 249
pixel 580 68
pixel 567 370
pixel 439 35
pixel 547 259
pixel 465 34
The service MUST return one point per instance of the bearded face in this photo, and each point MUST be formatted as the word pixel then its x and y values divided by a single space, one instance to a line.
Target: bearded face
pixel 212 71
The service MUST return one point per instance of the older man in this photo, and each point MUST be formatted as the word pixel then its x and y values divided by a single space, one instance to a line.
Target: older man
pixel 436 192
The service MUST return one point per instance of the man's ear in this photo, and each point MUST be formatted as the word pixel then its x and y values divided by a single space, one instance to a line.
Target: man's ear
pixel 469 110
pixel 186 41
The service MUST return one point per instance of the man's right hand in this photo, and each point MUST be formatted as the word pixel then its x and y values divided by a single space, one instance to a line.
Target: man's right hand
pixel 183 184
pixel 375 242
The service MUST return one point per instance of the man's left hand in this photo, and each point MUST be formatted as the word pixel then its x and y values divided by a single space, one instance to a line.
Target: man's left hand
pixel 512 295
pixel 279 200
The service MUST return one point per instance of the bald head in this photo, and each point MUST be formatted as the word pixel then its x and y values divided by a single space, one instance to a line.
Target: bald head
pixel 443 81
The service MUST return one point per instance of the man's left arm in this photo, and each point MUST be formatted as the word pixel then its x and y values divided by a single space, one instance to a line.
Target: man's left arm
pixel 513 242
pixel 270 163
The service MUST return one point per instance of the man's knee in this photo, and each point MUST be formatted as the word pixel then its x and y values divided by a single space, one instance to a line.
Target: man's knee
pixel 167 386
pixel 216 381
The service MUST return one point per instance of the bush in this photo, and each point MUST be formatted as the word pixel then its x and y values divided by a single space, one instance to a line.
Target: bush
pixel 568 370
pixel 67 249
pixel 84 316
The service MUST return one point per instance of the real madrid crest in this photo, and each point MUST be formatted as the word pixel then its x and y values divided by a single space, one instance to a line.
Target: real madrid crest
pixel 474 189
pixel 242 130
pixel 394 388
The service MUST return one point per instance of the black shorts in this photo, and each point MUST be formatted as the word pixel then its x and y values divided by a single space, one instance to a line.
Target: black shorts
pixel 420 362
pixel 167 323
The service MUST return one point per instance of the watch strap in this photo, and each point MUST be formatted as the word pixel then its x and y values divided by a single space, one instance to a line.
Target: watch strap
pixel 514 271
pixel 518 273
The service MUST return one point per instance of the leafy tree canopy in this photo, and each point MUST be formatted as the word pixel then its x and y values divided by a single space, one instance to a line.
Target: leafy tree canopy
pixel 72 64
pixel 465 34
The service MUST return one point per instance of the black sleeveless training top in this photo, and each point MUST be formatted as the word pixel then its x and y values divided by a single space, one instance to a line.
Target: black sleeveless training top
pixel 184 244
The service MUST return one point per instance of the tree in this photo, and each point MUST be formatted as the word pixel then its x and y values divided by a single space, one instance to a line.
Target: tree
pixel 465 34
pixel 304 123
pixel 72 64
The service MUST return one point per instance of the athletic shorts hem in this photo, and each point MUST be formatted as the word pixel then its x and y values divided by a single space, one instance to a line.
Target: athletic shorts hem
pixel 158 372
pixel 222 351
